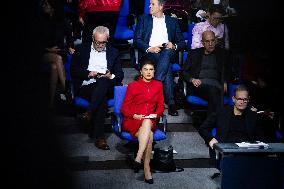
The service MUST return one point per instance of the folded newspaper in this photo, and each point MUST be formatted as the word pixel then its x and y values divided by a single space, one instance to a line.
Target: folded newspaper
pixel 256 144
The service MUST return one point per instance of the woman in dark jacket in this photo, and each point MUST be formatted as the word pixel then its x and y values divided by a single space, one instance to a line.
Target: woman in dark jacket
pixel 54 31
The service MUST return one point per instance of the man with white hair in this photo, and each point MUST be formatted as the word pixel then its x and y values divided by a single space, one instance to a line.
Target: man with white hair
pixel 95 71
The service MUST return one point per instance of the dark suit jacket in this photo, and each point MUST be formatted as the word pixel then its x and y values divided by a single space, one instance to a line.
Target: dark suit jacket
pixel 143 32
pixel 80 64
pixel 192 66
pixel 221 121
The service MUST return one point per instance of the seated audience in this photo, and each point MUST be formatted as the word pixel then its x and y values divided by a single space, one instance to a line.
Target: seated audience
pixel 213 23
pixel 159 37
pixel 95 71
pixel 142 107
pixel 205 72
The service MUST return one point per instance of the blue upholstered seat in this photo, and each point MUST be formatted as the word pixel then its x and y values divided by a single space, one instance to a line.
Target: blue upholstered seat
pixel 123 32
pixel 119 93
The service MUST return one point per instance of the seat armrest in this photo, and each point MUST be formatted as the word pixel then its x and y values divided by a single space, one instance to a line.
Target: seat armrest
pixel 165 123
pixel 118 119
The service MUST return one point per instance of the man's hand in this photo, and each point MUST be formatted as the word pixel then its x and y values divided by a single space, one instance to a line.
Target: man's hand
pixel 108 75
pixel 212 142
pixel 196 82
pixel 93 74
pixel 81 20
pixel 138 116
pixel 156 49
pixel 170 45
pixel 71 50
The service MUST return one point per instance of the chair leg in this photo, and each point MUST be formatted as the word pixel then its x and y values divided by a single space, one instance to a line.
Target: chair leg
pixel 215 175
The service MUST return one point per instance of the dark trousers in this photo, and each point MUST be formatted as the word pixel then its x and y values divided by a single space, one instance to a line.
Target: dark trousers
pixel 163 72
pixel 97 94
pixel 210 93
pixel 99 18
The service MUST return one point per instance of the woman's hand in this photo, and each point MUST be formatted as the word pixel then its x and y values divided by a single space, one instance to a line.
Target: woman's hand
pixel 138 116
pixel 152 116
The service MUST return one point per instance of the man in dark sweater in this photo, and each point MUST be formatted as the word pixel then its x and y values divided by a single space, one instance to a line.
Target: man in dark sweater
pixel 233 124
pixel 205 72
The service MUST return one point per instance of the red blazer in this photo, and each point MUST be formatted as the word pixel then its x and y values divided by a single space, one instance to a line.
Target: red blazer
pixel 142 98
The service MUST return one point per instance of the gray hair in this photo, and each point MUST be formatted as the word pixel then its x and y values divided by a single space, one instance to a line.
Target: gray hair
pixel 161 2
pixel 102 30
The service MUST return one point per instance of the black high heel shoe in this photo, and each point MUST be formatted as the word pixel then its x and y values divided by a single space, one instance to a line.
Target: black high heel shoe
pixel 136 166
pixel 149 181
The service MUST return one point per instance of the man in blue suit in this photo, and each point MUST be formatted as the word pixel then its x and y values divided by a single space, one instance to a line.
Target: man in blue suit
pixel 159 37
pixel 95 71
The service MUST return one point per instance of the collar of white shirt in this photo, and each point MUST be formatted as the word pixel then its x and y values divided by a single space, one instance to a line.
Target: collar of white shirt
pixel 155 17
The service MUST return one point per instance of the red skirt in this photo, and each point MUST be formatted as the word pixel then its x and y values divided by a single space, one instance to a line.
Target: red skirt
pixel 132 125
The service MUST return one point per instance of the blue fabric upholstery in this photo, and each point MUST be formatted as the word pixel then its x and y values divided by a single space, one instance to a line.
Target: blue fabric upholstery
pixel 213 132
pixel 119 93
pixel 189 34
pixel 122 31
pixel 185 35
pixel 85 104
pixel 196 100
pixel 176 67
pixel 279 136
pixel 67 67
pixel 146 6
pixel 201 102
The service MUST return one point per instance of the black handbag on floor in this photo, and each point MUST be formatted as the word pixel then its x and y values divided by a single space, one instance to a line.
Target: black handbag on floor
pixel 163 161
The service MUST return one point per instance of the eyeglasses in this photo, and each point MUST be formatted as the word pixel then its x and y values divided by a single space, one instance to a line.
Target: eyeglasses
pixel 100 42
pixel 244 100
pixel 217 18
pixel 209 41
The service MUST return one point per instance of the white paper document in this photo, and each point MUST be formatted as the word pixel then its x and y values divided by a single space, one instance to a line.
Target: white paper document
pixel 257 144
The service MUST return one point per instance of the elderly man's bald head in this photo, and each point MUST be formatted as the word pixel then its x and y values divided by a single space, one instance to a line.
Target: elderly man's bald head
pixel 208 34
pixel 208 41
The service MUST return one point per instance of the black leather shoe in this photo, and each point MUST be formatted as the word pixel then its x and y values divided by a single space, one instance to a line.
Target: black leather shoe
pixel 172 110
pixel 149 181
pixel 136 166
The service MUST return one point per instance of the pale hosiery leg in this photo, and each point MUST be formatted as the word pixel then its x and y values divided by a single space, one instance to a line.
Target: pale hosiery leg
pixel 143 135
pixel 147 153
pixel 52 84
pixel 61 71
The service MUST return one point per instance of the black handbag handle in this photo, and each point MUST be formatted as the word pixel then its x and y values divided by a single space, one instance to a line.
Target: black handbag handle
pixel 178 169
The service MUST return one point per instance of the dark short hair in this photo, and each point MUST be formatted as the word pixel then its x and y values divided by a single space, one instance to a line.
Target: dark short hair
pixel 146 60
pixel 216 8
pixel 241 87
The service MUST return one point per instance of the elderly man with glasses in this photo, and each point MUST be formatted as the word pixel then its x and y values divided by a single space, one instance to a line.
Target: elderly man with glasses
pixel 95 70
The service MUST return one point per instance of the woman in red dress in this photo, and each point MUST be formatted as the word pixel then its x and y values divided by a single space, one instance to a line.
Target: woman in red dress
pixel 142 107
